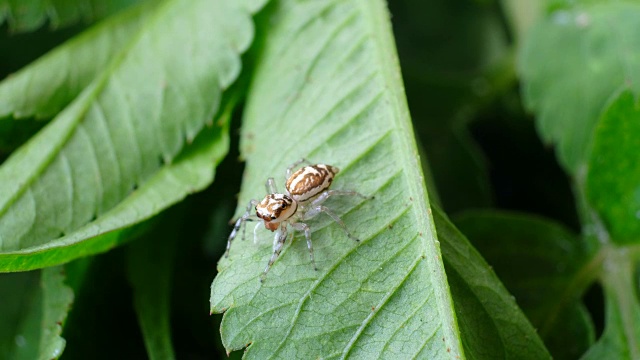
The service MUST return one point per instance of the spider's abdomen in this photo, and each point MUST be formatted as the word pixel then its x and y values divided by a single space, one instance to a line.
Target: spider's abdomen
pixel 310 181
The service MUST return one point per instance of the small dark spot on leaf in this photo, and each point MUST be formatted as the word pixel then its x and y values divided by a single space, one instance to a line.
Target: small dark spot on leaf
pixel 390 226
pixel 448 350
pixel 410 198
pixel 420 233
pixel 61 234
pixel 93 217
pixel 250 136
pixel 134 187
pixel 373 308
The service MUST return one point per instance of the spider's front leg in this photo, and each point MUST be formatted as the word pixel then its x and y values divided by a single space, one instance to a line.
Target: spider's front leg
pixel 240 222
pixel 278 243
pixel 270 186
pixel 307 234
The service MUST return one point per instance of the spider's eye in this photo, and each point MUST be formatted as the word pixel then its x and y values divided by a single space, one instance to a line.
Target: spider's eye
pixel 273 217
pixel 284 206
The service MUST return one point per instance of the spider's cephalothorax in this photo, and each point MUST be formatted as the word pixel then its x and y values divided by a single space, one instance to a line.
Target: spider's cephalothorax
pixel 274 209
pixel 306 191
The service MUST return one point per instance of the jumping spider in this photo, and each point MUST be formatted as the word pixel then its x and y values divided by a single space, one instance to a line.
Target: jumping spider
pixel 305 192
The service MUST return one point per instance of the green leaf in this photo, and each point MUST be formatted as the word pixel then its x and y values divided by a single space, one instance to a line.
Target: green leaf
pixel 572 62
pixel 48 85
pixel 28 15
pixel 492 325
pixel 33 308
pixel 613 177
pixel 328 89
pixel 190 172
pixel 110 159
pixel 522 15
pixel 622 323
pixel 149 268
pixel 536 257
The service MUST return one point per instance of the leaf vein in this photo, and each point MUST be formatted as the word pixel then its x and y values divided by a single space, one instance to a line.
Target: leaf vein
pixel 317 283
pixel 383 301
pixel 311 65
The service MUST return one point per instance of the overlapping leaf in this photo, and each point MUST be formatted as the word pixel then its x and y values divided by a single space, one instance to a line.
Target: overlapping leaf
pixel 33 308
pixel 116 155
pixel 150 263
pixel 535 257
pixel 492 326
pixel 45 87
pixel 613 179
pixel 573 61
pixel 329 71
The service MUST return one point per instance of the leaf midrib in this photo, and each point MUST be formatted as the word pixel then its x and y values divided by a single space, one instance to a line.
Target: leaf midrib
pixel 376 14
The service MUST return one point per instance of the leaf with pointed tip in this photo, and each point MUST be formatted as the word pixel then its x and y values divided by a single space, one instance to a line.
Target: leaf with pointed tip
pixel 328 89
pixel 572 62
pixel 33 308
pixel 535 257
pixel 492 326
pixel 120 152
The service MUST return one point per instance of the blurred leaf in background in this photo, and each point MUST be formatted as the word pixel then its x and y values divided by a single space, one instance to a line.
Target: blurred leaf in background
pixel 115 117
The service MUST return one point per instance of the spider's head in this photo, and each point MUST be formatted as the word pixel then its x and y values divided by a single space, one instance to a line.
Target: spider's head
pixel 274 209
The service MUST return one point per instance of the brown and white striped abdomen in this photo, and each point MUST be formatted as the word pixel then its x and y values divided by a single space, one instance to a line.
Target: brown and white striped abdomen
pixel 310 181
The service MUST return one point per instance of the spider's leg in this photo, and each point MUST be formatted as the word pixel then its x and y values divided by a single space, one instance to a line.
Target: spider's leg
pixel 326 194
pixel 278 244
pixel 255 233
pixel 294 165
pixel 244 227
pixel 307 234
pixel 240 222
pixel 323 209
pixel 271 186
